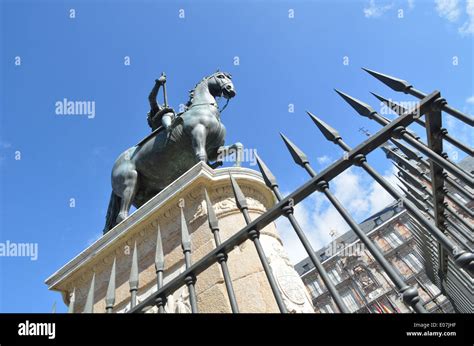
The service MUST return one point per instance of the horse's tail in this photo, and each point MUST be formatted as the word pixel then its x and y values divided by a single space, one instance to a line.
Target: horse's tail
pixel 112 212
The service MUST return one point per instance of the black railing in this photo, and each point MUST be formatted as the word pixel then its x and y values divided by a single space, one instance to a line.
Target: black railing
pixel 430 187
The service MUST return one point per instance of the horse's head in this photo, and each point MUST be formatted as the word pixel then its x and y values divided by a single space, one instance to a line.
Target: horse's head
pixel 220 84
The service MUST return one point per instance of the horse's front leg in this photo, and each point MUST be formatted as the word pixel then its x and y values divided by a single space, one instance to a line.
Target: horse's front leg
pixel 199 134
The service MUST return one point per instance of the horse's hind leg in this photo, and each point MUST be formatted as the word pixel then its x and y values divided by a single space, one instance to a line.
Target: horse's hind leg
pixel 130 184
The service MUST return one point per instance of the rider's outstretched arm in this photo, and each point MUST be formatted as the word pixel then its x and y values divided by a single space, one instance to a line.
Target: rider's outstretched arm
pixel 155 107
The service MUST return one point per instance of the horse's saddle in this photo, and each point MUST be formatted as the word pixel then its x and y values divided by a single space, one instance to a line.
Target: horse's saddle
pixel 176 121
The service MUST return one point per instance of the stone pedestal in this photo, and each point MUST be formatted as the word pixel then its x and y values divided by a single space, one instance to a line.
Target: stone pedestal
pixel 251 287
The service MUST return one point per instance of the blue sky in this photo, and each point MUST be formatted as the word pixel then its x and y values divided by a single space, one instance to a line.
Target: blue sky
pixel 282 61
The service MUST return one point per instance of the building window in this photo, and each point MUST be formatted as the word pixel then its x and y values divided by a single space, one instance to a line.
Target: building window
pixel 305 267
pixel 363 279
pixel 413 262
pixel 334 275
pixel 315 288
pixel 393 239
pixel 326 309
pixel 350 301
pixel 382 243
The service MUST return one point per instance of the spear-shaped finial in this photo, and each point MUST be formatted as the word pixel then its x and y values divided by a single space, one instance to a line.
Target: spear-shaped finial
pixel 240 199
pixel 298 155
pixel 392 82
pixel 267 175
pixel 89 306
pixel 405 183
pixel 110 296
pixel 401 165
pixel 133 281
pixel 409 177
pixel 403 189
pixel 330 133
pixel 420 205
pixel 401 160
pixel 159 255
pixel 360 107
pixel 159 267
pixel 397 108
pixel 413 191
pixel 415 171
pixel 387 150
pixel 211 215
pixel 407 151
pixel 185 240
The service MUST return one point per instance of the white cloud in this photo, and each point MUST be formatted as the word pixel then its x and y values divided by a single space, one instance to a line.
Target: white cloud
pixel 448 9
pixel 291 242
pixel 468 27
pixel 470 100
pixel 350 190
pixel 378 197
pixel 323 159
pixel 374 10
pixel 5 145
pixel 452 11
pixel 358 193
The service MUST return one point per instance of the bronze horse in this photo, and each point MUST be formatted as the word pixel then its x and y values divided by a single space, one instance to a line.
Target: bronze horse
pixel 197 134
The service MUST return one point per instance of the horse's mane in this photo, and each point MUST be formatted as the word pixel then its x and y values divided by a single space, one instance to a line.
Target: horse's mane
pixel 191 92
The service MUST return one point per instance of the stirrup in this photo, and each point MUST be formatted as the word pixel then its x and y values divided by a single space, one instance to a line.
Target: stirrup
pixel 169 131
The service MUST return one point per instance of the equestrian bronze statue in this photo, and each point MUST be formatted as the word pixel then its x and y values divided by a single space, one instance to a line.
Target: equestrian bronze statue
pixel 176 144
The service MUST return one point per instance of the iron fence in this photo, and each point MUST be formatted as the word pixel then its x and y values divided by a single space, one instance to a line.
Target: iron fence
pixel 436 191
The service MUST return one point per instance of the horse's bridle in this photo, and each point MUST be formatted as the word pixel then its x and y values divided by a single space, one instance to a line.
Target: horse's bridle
pixel 212 103
pixel 222 88
pixel 217 80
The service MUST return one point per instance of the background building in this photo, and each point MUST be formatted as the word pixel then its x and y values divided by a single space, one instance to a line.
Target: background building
pixel 451 206
pixel 363 285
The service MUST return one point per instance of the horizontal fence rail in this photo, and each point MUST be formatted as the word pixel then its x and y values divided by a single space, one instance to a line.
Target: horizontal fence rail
pixel 435 193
